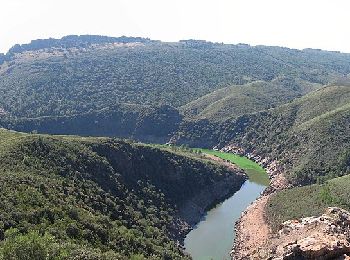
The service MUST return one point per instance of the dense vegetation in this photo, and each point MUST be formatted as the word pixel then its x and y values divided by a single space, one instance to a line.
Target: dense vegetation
pixel 309 136
pixel 230 102
pixel 84 74
pixel 144 123
pixel 96 198
pixel 74 197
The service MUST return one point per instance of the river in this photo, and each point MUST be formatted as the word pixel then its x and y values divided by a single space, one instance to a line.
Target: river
pixel 213 236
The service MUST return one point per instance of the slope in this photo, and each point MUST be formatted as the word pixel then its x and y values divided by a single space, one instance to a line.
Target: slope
pixel 79 74
pixel 308 201
pixel 99 198
pixel 308 136
pixel 234 101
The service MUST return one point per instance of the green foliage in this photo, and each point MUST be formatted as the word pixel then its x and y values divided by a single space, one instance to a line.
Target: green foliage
pixel 344 161
pixel 308 201
pixel 34 246
pixel 254 171
pixel 308 136
pixel 143 123
pixel 231 102
pixel 29 246
pixel 89 80
pixel 97 195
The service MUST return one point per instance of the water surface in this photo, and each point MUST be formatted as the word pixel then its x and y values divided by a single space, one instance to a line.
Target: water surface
pixel 213 236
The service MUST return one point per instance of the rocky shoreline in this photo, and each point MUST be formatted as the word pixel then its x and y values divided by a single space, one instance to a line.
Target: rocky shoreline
pixel 317 237
pixel 195 208
pixel 252 220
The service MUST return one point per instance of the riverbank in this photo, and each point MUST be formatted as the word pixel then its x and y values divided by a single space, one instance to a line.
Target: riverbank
pixel 193 210
pixel 213 237
pixel 252 230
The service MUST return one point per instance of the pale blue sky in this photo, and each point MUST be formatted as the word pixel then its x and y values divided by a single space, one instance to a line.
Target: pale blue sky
pixel 299 24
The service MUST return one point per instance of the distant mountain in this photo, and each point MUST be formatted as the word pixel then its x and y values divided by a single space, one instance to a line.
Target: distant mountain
pixel 88 76
pixel 71 41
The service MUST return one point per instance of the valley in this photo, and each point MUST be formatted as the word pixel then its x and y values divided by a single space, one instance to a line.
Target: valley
pixel 213 236
pixel 102 197
pixel 95 157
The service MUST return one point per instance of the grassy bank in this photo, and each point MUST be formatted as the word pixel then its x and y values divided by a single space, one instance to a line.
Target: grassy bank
pixel 255 172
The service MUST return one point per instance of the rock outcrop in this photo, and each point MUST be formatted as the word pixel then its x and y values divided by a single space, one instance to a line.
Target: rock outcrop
pixel 323 237
pixel 271 166
pixel 252 231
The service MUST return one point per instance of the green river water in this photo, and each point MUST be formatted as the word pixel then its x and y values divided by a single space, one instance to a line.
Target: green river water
pixel 213 236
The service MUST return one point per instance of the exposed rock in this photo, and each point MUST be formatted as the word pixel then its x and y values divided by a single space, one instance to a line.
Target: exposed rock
pixel 251 230
pixel 323 237
pixel 271 166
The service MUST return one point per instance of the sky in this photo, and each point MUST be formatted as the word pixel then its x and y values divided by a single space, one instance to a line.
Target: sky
pixel 320 24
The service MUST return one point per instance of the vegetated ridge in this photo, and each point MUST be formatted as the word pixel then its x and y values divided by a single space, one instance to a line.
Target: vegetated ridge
pixel 308 136
pixel 287 106
pixel 67 197
pixel 104 83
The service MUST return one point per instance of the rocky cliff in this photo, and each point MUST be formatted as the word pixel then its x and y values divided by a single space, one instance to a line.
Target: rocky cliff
pixel 318 237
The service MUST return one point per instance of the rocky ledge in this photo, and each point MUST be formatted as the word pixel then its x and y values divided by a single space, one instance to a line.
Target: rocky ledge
pixel 323 237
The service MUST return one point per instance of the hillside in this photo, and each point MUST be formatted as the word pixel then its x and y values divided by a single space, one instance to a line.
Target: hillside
pixel 308 200
pixel 234 101
pixel 79 78
pixel 308 136
pixel 72 197
pixel 154 124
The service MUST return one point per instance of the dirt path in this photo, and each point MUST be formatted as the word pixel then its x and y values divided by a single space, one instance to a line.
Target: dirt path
pixel 253 229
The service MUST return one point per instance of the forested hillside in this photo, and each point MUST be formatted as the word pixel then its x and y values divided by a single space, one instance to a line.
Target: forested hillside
pixel 237 100
pixel 187 91
pixel 73 197
pixel 146 123
pixel 309 136
pixel 97 85
pixel 113 199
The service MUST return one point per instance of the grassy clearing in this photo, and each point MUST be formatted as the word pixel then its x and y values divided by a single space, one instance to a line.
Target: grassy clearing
pixel 255 172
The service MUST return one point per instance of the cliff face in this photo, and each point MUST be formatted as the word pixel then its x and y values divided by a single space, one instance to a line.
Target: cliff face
pixel 191 185
pixel 323 237
pixel 105 194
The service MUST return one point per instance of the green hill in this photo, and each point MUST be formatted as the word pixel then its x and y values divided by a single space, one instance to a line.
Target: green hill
pixel 86 76
pixel 234 101
pixel 308 201
pixel 74 197
pixel 308 136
